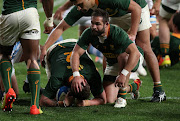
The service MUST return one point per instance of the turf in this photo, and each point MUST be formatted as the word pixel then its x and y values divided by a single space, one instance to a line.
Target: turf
pixel 136 110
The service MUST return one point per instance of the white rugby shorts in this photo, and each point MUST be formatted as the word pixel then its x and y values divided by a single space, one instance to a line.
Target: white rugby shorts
pixel 22 24
pixel 125 21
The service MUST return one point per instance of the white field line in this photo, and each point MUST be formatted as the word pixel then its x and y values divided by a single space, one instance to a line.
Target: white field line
pixel 176 98
pixel 56 3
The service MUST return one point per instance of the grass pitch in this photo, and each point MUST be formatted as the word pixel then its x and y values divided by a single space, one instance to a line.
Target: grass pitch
pixel 136 110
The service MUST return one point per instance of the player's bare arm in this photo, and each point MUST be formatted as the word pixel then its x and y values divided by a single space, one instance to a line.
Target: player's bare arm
pixel 74 61
pixel 48 9
pixel 135 10
pixel 156 6
pixel 98 100
pixel 133 59
pixel 59 13
pixel 53 37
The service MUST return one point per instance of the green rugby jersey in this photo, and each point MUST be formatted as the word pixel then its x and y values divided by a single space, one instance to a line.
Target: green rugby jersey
pixel 10 6
pixel 59 59
pixel 115 8
pixel 115 44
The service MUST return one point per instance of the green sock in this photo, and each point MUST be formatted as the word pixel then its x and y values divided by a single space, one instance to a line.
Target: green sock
pixel 164 47
pixel 122 93
pixel 6 70
pixel 33 76
pixel 158 86
pixel 133 87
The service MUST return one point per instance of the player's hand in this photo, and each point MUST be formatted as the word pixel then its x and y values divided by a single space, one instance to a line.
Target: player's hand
pixel 120 80
pixel 132 37
pixel 76 84
pixel 48 25
pixel 156 7
pixel 47 29
pixel 152 11
pixel 43 53
pixel 58 14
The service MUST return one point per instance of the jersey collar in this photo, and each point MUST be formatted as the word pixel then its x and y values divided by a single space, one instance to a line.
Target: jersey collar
pixel 102 38
pixel 176 35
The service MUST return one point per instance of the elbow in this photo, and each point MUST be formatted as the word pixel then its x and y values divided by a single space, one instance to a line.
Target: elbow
pixel 138 55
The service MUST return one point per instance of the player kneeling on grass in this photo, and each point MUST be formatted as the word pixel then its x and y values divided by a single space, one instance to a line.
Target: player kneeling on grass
pixel 57 62
pixel 122 56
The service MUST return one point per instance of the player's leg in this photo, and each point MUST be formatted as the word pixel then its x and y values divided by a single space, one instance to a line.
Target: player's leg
pixel 110 89
pixel 5 72
pixel 30 51
pixel 164 34
pixel 30 35
pixel 151 61
pixel 9 34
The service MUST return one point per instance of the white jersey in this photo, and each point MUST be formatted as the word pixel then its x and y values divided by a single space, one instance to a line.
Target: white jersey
pixel 173 4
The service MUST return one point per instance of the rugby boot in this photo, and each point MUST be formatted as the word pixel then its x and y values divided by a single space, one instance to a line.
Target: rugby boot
pixel 158 96
pixel 8 100
pixel 35 111
pixel 135 94
pixel 165 61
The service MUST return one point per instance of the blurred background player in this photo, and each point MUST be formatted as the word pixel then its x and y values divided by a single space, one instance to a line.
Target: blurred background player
pixel 153 20
pixel 59 73
pixel 165 9
pixel 27 30
pixel 174 44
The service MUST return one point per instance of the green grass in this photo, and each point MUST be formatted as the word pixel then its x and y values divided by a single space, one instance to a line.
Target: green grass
pixel 136 110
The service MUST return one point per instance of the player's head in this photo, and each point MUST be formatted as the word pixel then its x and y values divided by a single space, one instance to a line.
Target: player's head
pixel 82 5
pixel 82 95
pixel 176 21
pixel 99 21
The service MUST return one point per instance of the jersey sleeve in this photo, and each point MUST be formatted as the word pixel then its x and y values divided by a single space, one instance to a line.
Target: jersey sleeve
pixel 84 40
pixel 122 4
pixel 73 16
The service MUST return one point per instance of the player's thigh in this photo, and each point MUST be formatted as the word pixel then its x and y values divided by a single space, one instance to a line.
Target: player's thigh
pixel 145 19
pixel 165 14
pixel 110 89
pixel 9 29
pixel 143 40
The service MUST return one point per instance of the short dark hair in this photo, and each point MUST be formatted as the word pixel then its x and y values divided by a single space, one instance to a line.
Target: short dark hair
pixel 82 95
pixel 102 13
pixel 176 20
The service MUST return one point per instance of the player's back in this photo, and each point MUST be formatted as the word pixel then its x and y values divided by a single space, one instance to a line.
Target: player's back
pixel 10 6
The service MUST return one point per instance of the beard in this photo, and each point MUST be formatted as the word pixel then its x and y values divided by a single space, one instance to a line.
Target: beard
pixel 99 32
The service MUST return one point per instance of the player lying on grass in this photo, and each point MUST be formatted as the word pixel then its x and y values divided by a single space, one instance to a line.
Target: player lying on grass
pixel 122 56
pixel 174 48
pixel 59 74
